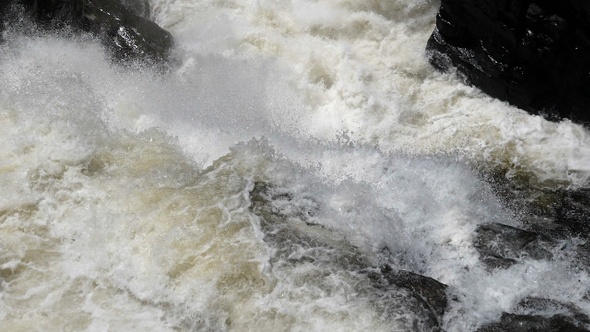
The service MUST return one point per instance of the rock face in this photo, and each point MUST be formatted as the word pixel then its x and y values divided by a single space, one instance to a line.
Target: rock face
pixel 531 53
pixel 120 24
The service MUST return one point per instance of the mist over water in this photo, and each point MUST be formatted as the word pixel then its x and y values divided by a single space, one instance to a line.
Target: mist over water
pixel 292 147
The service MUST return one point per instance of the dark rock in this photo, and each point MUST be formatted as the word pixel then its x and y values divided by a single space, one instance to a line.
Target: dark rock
pixel 137 37
pixel 431 292
pixel 531 53
pixel 531 323
pixel 548 208
pixel 5 10
pixel 560 218
pixel 122 25
pixel 544 306
pixel 137 7
pixel 286 219
pixel 571 211
pixel 429 295
pixel 541 315
pixel 501 246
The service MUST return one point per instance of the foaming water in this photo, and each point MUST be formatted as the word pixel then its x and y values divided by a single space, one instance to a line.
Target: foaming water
pixel 293 148
pixel 360 68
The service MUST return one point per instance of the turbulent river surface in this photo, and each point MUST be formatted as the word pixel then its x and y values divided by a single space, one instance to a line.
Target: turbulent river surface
pixel 293 150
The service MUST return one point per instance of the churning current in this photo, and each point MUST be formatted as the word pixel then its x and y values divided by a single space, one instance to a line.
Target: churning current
pixel 297 156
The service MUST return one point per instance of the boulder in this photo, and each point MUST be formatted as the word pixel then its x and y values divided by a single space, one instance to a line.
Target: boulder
pixel 286 219
pixel 121 25
pixel 540 315
pixel 501 246
pixel 530 53
pixel 430 292
pixel 531 323
pixel 137 7
pixel 554 221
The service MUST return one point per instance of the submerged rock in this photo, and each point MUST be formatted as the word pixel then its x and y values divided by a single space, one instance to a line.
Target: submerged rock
pixel 430 292
pixel 571 210
pixel 544 306
pixel 531 53
pixel 554 221
pixel 501 246
pixel 531 323
pixel 121 25
pixel 286 219
pixel 541 315
pixel 555 225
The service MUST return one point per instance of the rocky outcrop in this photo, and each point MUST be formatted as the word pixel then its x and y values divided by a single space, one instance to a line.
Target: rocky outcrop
pixel 121 25
pixel 531 53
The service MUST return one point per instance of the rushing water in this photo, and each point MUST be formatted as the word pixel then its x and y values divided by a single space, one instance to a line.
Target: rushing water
pixel 292 145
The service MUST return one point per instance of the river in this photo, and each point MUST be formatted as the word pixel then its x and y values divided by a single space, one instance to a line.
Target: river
pixel 291 147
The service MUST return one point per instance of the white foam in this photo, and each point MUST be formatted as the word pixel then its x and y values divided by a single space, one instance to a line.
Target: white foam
pixel 361 69
pixel 129 189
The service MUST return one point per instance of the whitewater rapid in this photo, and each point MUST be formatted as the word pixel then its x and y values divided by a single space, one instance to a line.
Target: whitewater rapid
pixel 129 193
pixel 360 69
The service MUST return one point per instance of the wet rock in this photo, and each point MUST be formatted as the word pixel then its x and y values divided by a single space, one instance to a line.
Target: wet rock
pixel 5 11
pixel 286 219
pixel 121 25
pixel 283 203
pixel 531 53
pixel 501 246
pixel 137 7
pixel 540 315
pixel 571 210
pixel 560 216
pixel 546 307
pixel 429 291
pixel 531 323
